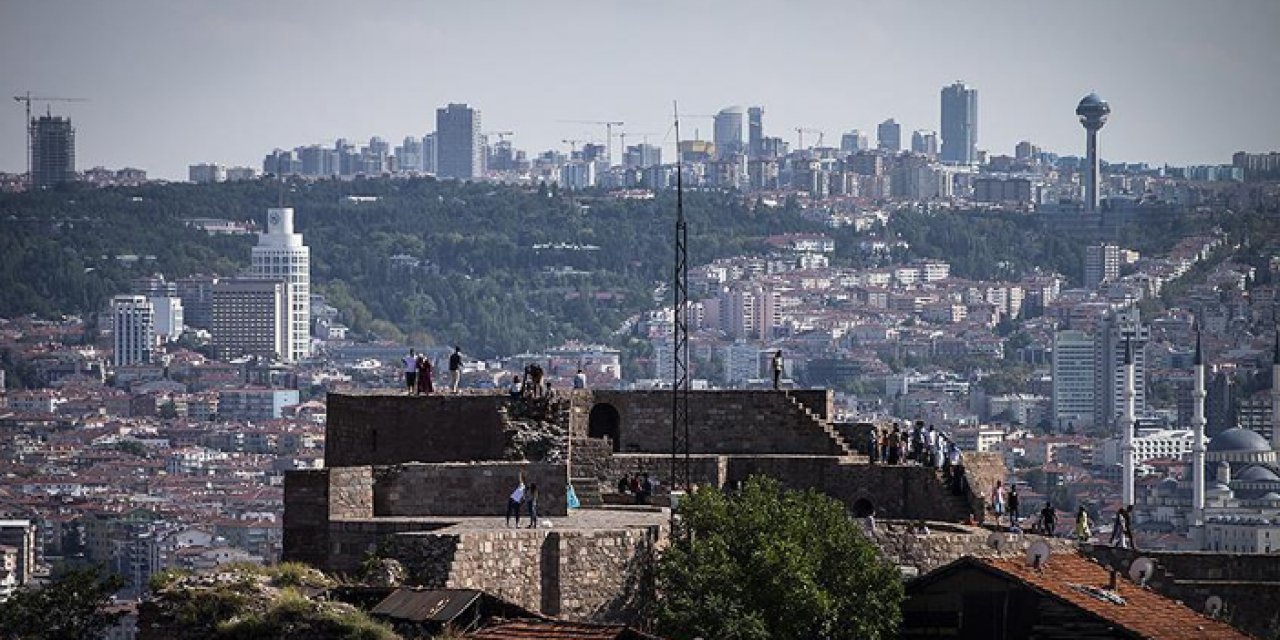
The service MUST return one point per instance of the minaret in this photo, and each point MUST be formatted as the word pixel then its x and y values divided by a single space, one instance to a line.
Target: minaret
pixel 1275 395
pixel 1126 445
pixel 1197 445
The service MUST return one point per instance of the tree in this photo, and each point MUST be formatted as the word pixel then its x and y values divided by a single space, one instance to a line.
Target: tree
pixel 772 563
pixel 71 608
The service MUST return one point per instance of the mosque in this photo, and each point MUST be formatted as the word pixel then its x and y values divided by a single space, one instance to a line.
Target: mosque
pixel 1239 509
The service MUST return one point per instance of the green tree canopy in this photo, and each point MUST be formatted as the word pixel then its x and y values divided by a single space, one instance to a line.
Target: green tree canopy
pixel 772 563
pixel 72 608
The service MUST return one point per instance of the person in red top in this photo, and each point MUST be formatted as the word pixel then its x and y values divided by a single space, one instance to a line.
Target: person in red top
pixel 425 371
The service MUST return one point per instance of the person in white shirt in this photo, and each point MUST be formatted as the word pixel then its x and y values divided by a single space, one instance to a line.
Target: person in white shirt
pixel 580 380
pixel 411 371
pixel 515 501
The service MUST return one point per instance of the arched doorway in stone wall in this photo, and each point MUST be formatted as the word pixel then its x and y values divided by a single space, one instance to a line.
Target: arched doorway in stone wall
pixel 863 508
pixel 604 421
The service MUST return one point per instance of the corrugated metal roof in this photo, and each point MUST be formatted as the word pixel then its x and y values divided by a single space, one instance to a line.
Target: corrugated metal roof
pixel 436 605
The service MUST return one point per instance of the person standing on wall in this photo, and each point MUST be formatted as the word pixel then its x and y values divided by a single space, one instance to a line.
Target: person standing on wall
pixel 425 372
pixel 777 370
pixel 515 501
pixel 531 501
pixel 455 369
pixel 410 371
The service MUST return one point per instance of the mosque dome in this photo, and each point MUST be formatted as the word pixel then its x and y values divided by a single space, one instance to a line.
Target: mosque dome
pixel 1239 439
pixel 1258 474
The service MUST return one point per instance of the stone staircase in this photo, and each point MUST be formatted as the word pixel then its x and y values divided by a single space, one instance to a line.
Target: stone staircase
pixel 841 446
pixel 588 492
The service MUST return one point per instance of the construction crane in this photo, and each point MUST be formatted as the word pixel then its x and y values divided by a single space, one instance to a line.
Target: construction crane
pixel 608 134
pixel 502 135
pixel 573 146
pixel 28 98
pixel 800 131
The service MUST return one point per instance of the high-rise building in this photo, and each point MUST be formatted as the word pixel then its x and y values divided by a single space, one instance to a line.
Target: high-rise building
pixel 458 150
pixel 889 136
pixel 853 142
pixel 1115 330
pixel 1073 385
pixel 1093 112
pixel 429 153
pixel 280 255
pixel 755 132
pixel 169 317
pixel 959 124
pixel 250 317
pixel 728 131
pixel 133 330
pixel 53 151
pixel 924 143
pixel 206 173
pixel 641 156
pixel 196 293
pixel 1101 264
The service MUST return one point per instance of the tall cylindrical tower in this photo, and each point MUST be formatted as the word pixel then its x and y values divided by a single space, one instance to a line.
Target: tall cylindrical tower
pixel 1197 444
pixel 1093 112
pixel 1275 395
pixel 1126 444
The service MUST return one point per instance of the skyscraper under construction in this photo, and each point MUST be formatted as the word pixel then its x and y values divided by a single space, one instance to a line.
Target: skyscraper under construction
pixel 53 151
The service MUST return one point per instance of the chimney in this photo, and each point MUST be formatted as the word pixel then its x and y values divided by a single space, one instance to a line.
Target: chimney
pixel 1114 583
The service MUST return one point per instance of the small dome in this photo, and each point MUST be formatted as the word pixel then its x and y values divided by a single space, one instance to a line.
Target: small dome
pixel 1270 496
pixel 1258 473
pixel 1092 100
pixel 1239 440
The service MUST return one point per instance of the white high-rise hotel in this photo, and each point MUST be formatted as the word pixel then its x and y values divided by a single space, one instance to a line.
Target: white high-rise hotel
pixel 280 255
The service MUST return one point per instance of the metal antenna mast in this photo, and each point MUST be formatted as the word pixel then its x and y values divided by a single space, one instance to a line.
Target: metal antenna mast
pixel 680 336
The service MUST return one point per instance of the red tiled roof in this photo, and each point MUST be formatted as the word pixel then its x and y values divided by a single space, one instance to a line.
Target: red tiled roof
pixel 1144 612
pixel 556 630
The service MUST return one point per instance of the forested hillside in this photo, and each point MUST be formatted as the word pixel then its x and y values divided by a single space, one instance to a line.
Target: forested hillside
pixel 503 269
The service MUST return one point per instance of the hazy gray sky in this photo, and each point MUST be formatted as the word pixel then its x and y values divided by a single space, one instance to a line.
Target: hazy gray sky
pixel 173 83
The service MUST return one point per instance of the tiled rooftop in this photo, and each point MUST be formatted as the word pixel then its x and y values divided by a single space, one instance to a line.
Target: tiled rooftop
pixel 1075 579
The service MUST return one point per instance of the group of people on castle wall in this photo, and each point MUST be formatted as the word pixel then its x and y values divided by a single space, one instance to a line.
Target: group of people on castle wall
pixel 419 372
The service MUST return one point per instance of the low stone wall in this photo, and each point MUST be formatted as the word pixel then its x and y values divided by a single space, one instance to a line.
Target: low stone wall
pixel 947 543
pixel 704 470
pixel 602 575
pixel 465 489
pixel 1248 583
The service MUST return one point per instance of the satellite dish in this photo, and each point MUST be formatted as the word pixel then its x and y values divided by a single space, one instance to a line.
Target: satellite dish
pixel 1213 606
pixel 1140 571
pixel 997 541
pixel 1038 554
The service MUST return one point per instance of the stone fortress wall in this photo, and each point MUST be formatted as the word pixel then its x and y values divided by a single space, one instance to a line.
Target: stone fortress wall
pixel 410 477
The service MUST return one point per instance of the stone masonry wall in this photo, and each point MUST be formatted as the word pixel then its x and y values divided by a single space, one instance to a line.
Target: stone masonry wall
pixel 393 429
pixel 306 516
pixel 465 489
pixel 606 576
pixel 1248 583
pixel 982 471
pixel 602 575
pixel 908 492
pixel 726 422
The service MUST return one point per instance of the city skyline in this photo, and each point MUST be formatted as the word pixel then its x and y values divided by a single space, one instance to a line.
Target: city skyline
pixel 186 84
